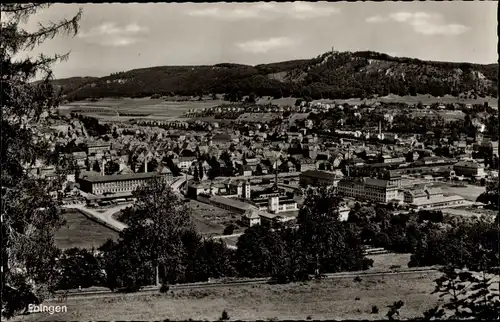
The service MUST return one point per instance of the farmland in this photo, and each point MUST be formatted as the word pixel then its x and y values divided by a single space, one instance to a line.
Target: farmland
pixel 82 232
pixel 327 299
pixel 424 99
pixel 128 108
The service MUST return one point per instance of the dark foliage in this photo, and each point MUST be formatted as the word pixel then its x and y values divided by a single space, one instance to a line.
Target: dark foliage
pixel 342 75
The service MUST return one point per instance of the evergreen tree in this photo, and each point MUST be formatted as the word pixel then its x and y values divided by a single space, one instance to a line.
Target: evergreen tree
pixel 30 216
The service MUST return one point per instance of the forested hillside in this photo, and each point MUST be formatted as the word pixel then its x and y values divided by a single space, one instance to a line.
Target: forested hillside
pixel 331 75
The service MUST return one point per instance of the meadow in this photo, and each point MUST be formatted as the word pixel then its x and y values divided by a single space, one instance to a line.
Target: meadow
pixel 316 300
pixel 145 108
pixel 80 231
pixel 424 99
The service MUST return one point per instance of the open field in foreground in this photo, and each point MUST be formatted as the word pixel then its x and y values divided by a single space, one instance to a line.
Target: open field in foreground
pixel 386 261
pixel 319 300
pixel 82 232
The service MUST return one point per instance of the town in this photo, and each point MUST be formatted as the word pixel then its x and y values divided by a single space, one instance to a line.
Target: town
pixel 259 170
pixel 349 185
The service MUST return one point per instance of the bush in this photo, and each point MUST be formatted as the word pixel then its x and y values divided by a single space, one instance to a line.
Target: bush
pixel 165 287
pixel 375 309
pixel 224 316
pixel 358 279
pixel 229 230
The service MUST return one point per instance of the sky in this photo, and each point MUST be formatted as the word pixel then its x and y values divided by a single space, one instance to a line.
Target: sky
pixel 121 37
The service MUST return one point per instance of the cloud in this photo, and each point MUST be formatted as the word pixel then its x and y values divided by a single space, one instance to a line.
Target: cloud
pixel 375 19
pixel 109 34
pixel 423 23
pixel 259 46
pixel 266 10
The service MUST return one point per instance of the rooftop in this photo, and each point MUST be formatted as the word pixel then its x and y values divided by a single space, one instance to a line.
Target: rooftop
pixel 233 203
pixel 121 177
pixel 320 174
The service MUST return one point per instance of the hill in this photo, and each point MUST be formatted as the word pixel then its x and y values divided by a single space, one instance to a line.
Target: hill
pixel 336 75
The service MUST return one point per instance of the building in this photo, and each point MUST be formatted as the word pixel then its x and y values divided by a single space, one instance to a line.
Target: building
pixel 344 213
pixel 124 183
pixel 272 220
pixel 421 192
pixel 246 170
pixel 251 218
pixel 469 168
pixel 186 162
pixel 318 178
pixel 97 148
pixel 230 204
pixel 377 190
pixel 305 164
pixel 424 197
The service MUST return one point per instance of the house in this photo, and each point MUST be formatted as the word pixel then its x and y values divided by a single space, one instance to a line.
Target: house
pixel 469 168
pixel 246 171
pixel 305 164
pixel 186 162
pixel 378 190
pixel 251 217
pixel 318 178
pixel 423 197
pixel 344 213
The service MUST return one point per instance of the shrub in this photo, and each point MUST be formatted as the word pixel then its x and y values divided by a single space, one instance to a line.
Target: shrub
pixel 164 288
pixel 375 309
pixel 357 279
pixel 229 230
pixel 224 316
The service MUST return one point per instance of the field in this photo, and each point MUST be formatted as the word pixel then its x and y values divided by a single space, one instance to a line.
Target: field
pixel 108 109
pixel 210 219
pixel 469 192
pixel 425 99
pixel 386 261
pixel 82 232
pixel 327 299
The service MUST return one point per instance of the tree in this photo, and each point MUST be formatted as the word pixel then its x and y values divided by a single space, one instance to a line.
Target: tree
pixel 394 309
pixel 111 167
pixel 200 171
pixel 211 260
pixel 319 202
pixel 79 268
pixel 29 215
pixel 469 295
pixel 154 238
pixel 258 251
pixel 96 167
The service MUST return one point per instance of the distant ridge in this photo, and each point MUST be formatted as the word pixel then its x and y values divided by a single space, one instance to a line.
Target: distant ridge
pixel 335 75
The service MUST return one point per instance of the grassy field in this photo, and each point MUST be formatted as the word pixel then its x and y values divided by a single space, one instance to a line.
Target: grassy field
pixel 210 219
pixel 317 300
pixel 469 192
pixel 425 99
pixel 82 232
pixel 106 109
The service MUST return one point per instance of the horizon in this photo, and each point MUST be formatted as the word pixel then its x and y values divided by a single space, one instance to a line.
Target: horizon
pixel 122 37
pixel 282 61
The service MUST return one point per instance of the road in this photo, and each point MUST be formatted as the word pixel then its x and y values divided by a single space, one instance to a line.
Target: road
pixel 106 217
